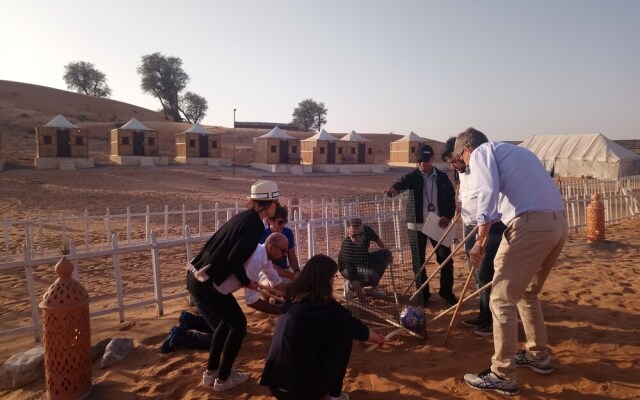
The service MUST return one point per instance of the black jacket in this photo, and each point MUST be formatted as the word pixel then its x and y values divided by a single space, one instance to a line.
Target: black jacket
pixel 305 354
pixel 230 247
pixel 446 194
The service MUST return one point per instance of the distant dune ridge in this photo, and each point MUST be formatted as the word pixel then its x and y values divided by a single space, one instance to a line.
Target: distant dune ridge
pixel 24 106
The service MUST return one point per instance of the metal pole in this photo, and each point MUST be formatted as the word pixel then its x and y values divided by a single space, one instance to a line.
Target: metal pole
pixel 233 156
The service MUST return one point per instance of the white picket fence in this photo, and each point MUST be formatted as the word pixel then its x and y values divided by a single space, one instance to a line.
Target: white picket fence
pixel 113 236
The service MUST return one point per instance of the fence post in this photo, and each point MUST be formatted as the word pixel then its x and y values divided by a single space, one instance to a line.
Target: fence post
pixel 107 221
pixel 117 272
pixel 35 313
pixel 72 257
pixel 311 235
pixel 200 219
pixel 86 230
pixel 166 221
pixel 157 282
pixel 147 224
pixel 64 229
pixel 184 215
pixel 40 235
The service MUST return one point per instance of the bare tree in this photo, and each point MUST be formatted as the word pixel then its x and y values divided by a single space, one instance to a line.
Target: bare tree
pixel 83 77
pixel 310 115
pixel 194 107
pixel 163 77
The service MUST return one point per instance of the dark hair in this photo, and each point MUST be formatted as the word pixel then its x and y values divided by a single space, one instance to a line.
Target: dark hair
pixel 355 222
pixel 449 145
pixel 314 285
pixel 259 205
pixel 281 212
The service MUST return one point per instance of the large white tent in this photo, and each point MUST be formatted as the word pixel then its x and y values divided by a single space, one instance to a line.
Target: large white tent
pixel 591 155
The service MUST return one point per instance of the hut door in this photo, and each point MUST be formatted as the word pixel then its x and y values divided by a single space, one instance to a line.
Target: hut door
pixel 361 152
pixel 64 143
pixel 203 141
pixel 331 153
pixel 284 152
pixel 138 143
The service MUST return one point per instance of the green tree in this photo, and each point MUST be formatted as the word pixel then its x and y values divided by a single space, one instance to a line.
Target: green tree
pixel 194 107
pixel 310 115
pixel 163 77
pixel 83 77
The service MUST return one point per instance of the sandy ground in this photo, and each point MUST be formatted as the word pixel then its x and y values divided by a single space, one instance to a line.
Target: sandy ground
pixel 591 302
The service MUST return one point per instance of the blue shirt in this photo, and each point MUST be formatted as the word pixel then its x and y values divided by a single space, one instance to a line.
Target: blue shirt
pixel 282 263
pixel 515 173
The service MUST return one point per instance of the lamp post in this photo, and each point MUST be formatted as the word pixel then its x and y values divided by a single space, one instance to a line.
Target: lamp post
pixel 233 156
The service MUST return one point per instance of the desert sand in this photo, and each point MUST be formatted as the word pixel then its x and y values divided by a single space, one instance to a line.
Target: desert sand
pixel 591 301
pixel 591 304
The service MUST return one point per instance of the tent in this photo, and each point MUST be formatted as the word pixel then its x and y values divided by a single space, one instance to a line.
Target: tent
pixel 591 155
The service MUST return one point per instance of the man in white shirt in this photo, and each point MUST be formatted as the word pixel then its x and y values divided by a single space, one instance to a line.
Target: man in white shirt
pixel 467 207
pixel 536 233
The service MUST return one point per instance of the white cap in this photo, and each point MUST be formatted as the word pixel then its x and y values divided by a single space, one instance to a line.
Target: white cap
pixel 264 190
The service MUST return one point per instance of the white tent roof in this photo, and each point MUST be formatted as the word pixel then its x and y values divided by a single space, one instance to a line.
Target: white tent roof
pixel 197 128
pixel 353 137
pixel 322 135
pixel 584 154
pixel 60 122
pixel 276 133
pixel 410 137
pixel 135 125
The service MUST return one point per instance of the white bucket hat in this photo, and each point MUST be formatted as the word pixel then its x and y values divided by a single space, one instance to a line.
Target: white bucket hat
pixel 264 190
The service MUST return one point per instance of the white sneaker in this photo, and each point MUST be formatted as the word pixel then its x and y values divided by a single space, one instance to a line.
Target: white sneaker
pixel 208 380
pixel 234 379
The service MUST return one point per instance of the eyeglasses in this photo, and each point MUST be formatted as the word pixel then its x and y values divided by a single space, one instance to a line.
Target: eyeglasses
pixel 280 221
pixel 460 156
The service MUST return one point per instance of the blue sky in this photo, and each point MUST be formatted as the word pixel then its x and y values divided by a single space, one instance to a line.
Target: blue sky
pixel 509 68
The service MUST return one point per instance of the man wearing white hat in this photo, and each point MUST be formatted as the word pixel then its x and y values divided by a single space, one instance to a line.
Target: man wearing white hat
pixel 218 265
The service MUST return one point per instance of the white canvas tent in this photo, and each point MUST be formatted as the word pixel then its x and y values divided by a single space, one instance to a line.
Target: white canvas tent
pixel 583 155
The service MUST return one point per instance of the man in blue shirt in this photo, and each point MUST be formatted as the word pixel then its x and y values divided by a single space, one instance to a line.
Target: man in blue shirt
pixel 287 266
pixel 513 186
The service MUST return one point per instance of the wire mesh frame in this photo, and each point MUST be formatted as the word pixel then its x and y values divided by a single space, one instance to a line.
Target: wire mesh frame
pixel 380 301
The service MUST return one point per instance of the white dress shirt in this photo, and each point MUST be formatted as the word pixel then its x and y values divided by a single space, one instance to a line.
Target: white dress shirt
pixel 256 264
pixel 516 173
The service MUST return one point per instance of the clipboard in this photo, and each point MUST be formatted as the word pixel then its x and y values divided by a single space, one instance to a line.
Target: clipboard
pixel 433 230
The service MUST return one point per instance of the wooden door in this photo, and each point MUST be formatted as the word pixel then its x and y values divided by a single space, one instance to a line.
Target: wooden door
pixel 64 143
pixel 138 143
pixel 203 142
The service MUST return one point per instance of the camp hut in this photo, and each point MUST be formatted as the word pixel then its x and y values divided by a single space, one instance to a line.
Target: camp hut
pixel 584 155
pixel 198 146
pixel 276 151
pixel 353 149
pixel 136 144
pixel 402 151
pixel 62 145
pixel 319 149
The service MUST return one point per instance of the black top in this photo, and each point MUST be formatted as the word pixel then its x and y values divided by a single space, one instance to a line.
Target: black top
pixel 230 247
pixel 446 194
pixel 353 255
pixel 304 355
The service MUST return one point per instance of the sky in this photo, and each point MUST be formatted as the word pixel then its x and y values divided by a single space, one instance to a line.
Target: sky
pixel 509 68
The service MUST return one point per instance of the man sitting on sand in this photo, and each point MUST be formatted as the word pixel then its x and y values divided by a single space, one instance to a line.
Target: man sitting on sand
pixel 357 264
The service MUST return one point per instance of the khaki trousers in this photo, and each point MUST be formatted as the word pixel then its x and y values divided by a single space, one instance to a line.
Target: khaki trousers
pixel 529 249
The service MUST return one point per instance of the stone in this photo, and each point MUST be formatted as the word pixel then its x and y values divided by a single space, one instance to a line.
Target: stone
pixel 22 369
pixel 116 350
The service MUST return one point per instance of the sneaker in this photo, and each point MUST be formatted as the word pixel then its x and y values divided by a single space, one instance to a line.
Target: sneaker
pixel 484 330
pixel 449 298
pixel 473 323
pixel 539 366
pixel 173 340
pixel 487 380
pixel 209 380
pixel 377 293
pixel 234 379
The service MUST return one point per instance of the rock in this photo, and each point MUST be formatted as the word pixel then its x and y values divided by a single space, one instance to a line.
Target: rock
pixel 22 369
pixel 116 350
pixel 98 349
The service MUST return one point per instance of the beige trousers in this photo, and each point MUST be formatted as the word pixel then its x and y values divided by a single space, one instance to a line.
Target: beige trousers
pixel 529 249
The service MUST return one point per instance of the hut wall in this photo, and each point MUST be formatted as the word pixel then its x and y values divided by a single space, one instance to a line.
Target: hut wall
pixel 268 151
pixel 188 145
pixel 316 151
pixel 347 153
pixel 47 142
pixel 403 152
pixel 122 143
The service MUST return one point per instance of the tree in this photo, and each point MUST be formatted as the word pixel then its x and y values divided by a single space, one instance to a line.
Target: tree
pixel 83 77
pixel 310 115
pixel 194 107
pixel 164 78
